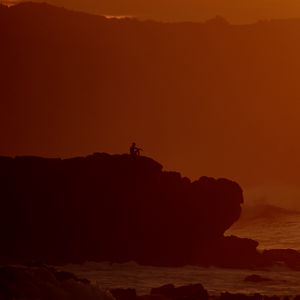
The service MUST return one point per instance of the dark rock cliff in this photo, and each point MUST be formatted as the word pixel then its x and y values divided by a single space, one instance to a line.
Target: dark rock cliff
pixel 113 207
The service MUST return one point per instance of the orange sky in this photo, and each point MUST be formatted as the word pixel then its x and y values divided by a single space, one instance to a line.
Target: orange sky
pixel 221 103
pixel 236 11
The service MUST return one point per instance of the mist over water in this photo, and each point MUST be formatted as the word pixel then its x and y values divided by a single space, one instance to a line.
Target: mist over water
pixel 285 196
pixel 270 215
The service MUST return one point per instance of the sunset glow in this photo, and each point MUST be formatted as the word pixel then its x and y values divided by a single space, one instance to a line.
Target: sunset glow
pixel 235 11
pixel 150 150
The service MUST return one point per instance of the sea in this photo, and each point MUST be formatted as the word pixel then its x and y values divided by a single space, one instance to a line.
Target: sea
pixel 272 226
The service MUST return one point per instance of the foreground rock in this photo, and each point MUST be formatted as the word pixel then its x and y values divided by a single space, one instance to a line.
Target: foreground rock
pixel 230 296
pixel 42 282
pixel 188 292
pixel 289 257
pixel 256 278
pixel 116 208
pixel 33 283
pixel 123 294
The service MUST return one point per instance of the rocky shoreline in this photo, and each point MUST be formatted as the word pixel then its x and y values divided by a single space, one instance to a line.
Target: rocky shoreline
pixel 117 208
pixel 43 282
pixel 58 211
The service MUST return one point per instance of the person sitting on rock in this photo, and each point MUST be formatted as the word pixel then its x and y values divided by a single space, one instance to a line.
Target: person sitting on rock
pixel 134 150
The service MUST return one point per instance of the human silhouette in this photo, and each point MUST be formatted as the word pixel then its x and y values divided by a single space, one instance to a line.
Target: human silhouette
pixel 134 150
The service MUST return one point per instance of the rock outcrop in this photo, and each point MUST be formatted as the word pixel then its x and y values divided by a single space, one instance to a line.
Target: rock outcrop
pixel 256 278
pixel 230 296
pixel 187 292
pixel 123 294
pixel 289 257
pixel 115 208
pixel 20 282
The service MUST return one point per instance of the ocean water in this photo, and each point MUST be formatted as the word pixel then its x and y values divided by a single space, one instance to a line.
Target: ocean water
pixel 215 280
pixel 273 227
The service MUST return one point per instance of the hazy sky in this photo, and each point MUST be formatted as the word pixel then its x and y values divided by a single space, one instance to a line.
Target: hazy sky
pixel 236 11
pixel 225 106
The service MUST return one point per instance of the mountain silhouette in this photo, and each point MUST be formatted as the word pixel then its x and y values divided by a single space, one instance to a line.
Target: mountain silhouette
pixel 189 10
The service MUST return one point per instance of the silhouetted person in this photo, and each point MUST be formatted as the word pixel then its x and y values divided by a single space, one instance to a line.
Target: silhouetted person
pixel 134 150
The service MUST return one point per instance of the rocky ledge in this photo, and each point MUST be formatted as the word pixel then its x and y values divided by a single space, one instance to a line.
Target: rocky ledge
pixel 121 208
pixel 115 208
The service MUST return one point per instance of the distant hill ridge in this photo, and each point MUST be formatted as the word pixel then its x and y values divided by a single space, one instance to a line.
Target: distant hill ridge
pixel 44 6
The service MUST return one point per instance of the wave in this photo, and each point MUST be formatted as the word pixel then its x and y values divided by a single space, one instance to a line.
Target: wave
pixel 272 226
pixel 265 211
